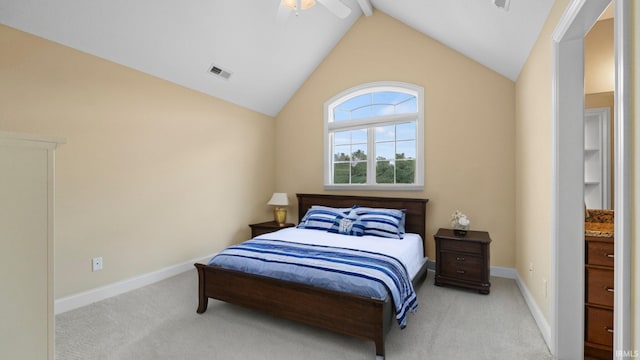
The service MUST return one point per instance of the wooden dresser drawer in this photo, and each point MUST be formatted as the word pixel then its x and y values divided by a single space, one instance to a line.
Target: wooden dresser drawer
pixel 599 286
pixel 462 266
pixel 600 253
pixel 461 246
pixel 599 326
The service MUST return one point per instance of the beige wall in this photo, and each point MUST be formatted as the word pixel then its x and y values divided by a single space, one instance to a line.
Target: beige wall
pixel 599 64
pixel 152 174
pixel 533 159
pixel 469 126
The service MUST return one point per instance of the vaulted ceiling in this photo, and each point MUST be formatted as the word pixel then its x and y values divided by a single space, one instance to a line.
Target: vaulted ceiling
pixel 268 51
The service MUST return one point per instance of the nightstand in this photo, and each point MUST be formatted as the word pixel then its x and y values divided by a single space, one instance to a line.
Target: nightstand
pixel 463 260
pixel 267 227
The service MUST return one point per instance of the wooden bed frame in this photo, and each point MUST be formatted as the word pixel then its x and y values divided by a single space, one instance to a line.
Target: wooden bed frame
pixel 348 314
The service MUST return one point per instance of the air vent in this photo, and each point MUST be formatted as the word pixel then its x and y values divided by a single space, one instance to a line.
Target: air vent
pixel 215 70
pixel 502 4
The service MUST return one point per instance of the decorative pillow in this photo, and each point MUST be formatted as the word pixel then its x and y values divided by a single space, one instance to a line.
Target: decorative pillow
pixel 321 217
pixel 382 222
pixel 348 224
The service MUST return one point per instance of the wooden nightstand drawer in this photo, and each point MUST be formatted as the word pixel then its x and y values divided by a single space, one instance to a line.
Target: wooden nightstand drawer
pixel 600 326
pixel 599 286
pixel 600 253
pixel 463 246
pixel 462 266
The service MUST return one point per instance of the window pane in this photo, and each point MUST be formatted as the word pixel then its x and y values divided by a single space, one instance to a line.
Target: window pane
pixel 406 131
pixel 390 97
pixel 356 102
pixel 341 115
pixel 385 151
pixel 405 171
pixel 359 173
pixel 361 113
pixel 406 149
pixel 385 133
pixel 407 107
pixel 359 152
pixel 374 104
pixel 385 172
pixel 382 110
pixel 359 136
pixel 341 153
pixel 342 137
pixel 341 173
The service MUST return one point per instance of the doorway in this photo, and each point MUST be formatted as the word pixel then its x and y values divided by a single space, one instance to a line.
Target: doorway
pixel 568 170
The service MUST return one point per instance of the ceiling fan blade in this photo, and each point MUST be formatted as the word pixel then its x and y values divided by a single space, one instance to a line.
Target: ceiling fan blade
pixel 336 7
pixel 283 13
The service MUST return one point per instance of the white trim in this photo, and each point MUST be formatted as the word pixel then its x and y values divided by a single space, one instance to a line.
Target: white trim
pixel 567 234
pixel 503 272
pixel 31 137
pixel 622 161
pixel 367 8
pixel 537 314
pixel 75 301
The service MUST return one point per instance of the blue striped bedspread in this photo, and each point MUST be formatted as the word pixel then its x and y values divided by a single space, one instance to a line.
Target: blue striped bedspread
pixel 356 272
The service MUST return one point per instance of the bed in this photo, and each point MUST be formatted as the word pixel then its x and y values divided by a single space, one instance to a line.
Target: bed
pixel 349 314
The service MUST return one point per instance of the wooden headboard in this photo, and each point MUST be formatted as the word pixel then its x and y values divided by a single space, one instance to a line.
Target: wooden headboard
pixel 415 208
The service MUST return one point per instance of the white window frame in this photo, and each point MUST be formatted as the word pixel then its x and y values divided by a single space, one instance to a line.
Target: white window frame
pixel 330 126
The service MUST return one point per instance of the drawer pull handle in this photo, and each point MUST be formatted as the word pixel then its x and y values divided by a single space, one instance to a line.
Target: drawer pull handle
pixel 609 289
pixel 610 331
pixel 609 255
pixel 460 271
pixel 459 258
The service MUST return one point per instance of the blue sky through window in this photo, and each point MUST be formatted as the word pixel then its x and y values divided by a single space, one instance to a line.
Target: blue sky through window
pixel 375 104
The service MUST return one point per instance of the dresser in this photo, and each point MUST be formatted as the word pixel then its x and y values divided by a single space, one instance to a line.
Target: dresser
pixel 463 260
pixel 598 316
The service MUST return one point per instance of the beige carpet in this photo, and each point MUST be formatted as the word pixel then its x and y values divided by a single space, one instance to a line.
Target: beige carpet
pixel 160 322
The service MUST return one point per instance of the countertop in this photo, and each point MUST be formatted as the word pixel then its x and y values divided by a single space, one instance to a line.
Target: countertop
pixel 599 229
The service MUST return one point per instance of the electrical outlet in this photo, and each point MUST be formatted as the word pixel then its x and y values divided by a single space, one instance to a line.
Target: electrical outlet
pixel 530 270
pixel 96 264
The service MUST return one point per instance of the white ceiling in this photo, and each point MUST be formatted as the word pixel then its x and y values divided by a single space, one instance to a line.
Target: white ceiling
pixel 269 56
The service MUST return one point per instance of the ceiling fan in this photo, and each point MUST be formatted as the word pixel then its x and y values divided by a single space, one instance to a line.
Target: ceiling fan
pixel 335 6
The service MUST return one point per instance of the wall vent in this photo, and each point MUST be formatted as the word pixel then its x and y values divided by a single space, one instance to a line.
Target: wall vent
pixel 215 70
pixel 502 4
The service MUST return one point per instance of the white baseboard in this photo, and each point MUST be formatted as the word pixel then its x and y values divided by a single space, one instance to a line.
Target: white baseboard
pixel 75 301
pixel 511 273
pixel 537 314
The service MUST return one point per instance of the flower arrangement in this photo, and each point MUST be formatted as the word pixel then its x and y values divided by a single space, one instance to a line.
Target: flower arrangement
pixel 460 222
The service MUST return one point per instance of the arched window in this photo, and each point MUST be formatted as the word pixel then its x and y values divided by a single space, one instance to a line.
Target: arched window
pixel 374 138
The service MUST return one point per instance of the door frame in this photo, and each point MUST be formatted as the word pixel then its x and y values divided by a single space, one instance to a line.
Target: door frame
pixel 567 231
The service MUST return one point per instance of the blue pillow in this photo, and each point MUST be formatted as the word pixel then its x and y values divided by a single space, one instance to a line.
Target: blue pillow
pixel 348 224
pixel 321 217
pixel 382 222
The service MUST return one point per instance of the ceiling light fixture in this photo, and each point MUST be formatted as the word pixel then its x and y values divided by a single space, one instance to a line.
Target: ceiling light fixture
pixel 293 4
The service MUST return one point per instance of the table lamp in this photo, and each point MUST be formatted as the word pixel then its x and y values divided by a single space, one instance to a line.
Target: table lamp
pixel 279 200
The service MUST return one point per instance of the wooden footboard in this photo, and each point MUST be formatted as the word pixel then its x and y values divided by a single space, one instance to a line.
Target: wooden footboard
pixel 353 315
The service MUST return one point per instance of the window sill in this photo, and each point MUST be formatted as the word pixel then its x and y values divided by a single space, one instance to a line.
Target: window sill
pixel 393 187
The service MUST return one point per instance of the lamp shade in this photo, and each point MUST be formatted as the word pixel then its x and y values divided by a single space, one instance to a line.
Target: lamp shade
pixel 279 199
